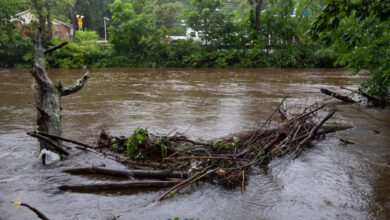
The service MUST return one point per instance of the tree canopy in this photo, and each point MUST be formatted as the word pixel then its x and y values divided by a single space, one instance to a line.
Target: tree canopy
pixel 359 32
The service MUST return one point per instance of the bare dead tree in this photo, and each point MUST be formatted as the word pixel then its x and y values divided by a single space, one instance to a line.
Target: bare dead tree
pixel 47 94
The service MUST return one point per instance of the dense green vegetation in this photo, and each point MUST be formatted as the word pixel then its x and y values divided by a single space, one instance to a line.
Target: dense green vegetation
pixel 232 33
pixel 359 33
pixel 14 47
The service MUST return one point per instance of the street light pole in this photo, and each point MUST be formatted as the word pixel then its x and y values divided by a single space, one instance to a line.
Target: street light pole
pixel 105 27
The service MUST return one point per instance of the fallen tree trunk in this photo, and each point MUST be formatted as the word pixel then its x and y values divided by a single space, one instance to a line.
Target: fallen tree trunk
pixel 337 95
pixel 118 186
pixel 101 171
pixel 371 99
pixel 149 174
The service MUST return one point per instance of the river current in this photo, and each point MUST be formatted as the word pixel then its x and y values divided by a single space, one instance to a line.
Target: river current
pixel 331 180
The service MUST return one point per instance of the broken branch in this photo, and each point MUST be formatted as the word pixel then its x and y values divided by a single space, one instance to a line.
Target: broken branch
pixel 201 158
pixel 79 84
pixel 40 76
pixel 33 209
pixel 185 183
pixel 50 142
pixel 50 50
pixel 62 139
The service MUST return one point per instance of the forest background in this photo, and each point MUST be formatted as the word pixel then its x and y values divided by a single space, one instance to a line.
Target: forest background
pixel 232 33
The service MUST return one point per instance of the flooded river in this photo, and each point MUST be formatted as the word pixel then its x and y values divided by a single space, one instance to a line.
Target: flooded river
pixel 329 181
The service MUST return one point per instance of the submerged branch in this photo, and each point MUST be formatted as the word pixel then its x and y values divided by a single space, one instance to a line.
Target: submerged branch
pixel 33 209
pixel 63 139
pixel 50 142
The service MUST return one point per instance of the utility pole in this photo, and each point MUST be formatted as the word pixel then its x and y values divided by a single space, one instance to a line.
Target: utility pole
pixel 105 27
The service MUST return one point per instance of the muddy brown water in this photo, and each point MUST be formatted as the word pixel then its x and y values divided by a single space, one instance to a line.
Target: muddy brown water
pixel 329 181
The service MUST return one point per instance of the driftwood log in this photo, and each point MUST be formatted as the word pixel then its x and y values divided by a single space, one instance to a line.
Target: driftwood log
pixel 337 95
pixel 147 174
pixel 374 101
pixel 371 100
pixel 105 187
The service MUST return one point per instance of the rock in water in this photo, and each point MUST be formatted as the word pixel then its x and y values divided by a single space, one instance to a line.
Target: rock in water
pixel 48 157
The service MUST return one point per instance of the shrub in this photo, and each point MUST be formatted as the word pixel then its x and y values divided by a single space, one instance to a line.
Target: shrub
pixel 83 50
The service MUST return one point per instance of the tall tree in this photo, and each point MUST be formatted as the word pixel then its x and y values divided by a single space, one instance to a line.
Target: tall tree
pixel 47 10
pixel 167 15
pixel 255 13
pixel 133 27
pixel 204 16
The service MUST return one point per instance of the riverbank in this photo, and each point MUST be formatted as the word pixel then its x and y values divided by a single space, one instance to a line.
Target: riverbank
pixel 83 51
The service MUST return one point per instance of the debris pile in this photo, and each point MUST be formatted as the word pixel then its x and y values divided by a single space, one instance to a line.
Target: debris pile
pixel 176 161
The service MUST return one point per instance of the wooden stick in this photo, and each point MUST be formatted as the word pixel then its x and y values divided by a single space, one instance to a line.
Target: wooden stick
pixel 50 142
pixel 186 182
pixel 63 139
pixel 201 158
pixel 273 142
pixel 260 131
pixel 309 113
pixel 313 131
pixel 35 210
pixel 50 50
pixel 118 186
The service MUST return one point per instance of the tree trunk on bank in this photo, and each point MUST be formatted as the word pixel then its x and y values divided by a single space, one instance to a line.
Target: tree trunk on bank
pixel 254 14
pixel 259 3
pixel 49 20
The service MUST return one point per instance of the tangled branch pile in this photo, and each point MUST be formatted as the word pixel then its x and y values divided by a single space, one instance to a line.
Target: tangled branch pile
pixel 227 161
